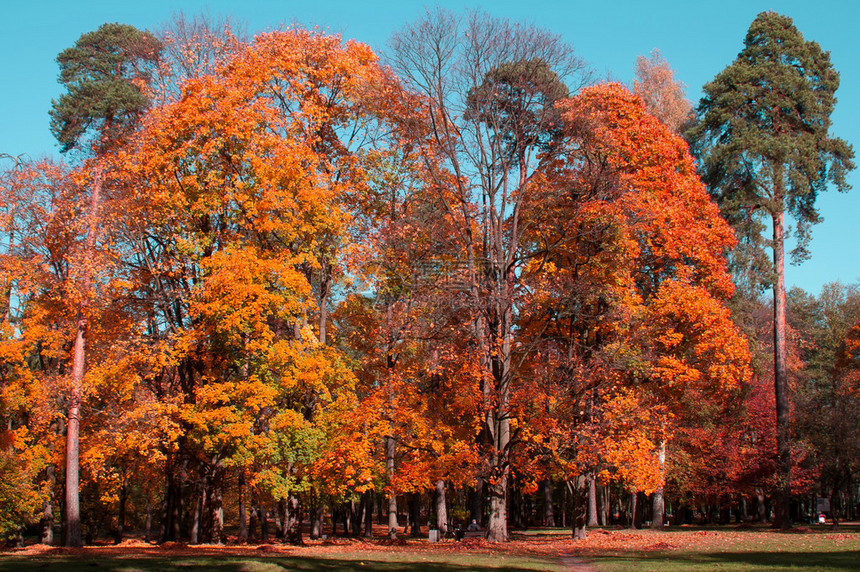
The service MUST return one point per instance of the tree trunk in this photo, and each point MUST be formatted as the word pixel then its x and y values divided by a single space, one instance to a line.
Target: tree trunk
pixel 592 501
pixel 279 519
pixel 368 513
pixel 120 519
pixel 48 508
pixel 346 512
pixel 198 518
pixel 264 524
pixel 293 521
pixel 761 508
pixel 515 505
pixel 356 515
pixel 441 508
pixel 73 508
pixel 252 524
pixel 579 495
pixel 783 436
pixel 634 506
pixel 216 509
pixel 73 427
pixel 565 494
pixel 658 504
pixel 243 511
pixel 476 504
pixel 148 535
pixel 415 514
pixel 605 504
pixel 392 499
pixel 497 522
pixel 548 513
pixel 334 516
pixel 317 516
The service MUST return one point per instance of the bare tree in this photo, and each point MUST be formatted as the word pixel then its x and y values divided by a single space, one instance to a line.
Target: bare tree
pixel 489 88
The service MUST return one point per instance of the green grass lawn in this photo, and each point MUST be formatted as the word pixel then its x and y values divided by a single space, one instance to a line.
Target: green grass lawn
pixel 681 548
pixel 397 562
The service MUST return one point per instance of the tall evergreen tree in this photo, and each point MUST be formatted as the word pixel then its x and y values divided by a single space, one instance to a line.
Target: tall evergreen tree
pixel 765 149
pixel 102 74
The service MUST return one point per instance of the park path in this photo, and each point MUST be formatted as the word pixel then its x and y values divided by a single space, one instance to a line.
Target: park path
pixel 575 564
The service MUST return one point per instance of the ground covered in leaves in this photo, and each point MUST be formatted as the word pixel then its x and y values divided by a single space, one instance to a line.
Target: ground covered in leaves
pixel 679 548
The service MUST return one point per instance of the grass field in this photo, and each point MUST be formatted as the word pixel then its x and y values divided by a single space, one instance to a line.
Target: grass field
pixel 681 548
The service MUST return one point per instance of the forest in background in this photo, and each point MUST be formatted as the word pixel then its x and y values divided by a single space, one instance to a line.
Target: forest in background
pixel 281 287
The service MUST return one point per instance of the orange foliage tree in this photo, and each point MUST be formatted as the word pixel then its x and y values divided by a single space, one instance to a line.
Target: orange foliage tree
pixel 632 309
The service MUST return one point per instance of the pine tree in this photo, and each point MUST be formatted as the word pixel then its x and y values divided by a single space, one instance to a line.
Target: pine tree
pixel 765 148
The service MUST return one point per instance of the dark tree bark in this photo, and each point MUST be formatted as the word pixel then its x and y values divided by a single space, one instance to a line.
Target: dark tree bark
pixel 578 489
pixel 415 514
pixel 293 521
pixel 243 511
pixel 120 519
pixel 48 508
pixel 369 505
pixel 476 502
pixel 548 511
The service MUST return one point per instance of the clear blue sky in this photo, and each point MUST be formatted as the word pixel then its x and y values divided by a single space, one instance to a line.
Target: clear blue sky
pixel 697 38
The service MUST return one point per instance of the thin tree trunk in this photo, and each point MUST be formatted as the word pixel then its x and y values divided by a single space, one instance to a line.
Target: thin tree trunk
pixel 658 504
pixel 73 507
pixel 346 512
pixel 605 504
pixel 334 515
pixel 148 537
pixel 252 524
pixel 476 498
pixel 48 508
pixel 243 511
pixel 565 494
pixel 73 438
pixel 783 436
pixel 198 517
pixel 264 524
pixel 176 513
pixel 120 519
pixel 760 506
pixel 392 499
pixel 441 508
pixel 634 506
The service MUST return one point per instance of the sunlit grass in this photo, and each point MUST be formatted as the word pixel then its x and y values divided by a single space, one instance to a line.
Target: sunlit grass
pixel 679 548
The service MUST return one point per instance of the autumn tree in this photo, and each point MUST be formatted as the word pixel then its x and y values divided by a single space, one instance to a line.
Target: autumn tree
pixel 489 87
pixel 763 137
pixel 631 304
pixel 251 174
pixel 102 73
pixel 664 96
pixel 825 405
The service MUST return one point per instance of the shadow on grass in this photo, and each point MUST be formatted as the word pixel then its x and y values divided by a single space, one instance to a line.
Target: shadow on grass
pixel 241 564
pixel 748 561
